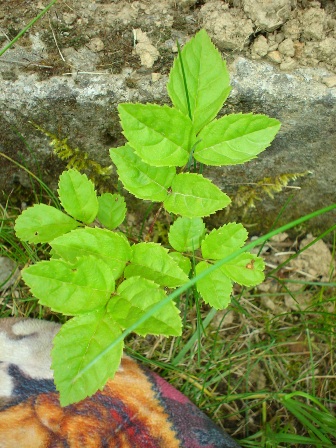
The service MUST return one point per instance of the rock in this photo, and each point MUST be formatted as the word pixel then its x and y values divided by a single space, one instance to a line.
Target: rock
pixel 329 81
pixel 147 52
pixel 316 261
pixel 321 51
pixel 313 22
pixel 82 59
pixel 298 302
pixel 156 77
pixel 287 48
pixel 298 47
pixel 274 56
pixel 259 47
pixel 229 28
pixel 288 64
pixel 69 18
pixel 268 303
pixel 279 238
pixel 9 273
pixel 96 44
pixel 267 15
pixel 83 108
pixel 292 29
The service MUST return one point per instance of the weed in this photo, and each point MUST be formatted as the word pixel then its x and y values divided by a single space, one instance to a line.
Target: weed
pixel 165 147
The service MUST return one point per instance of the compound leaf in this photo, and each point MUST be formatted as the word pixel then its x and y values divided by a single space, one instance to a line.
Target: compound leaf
pixel 71 288
pixel 152 261
pixel 80 341
pixel 207 87
pixel 136 296
pixel 142 180
pixel 42 223
pixel 223 241
pixel 215 288
pixel 245 269
pixel 194 196
pixel 78 196
pixel 160 135
pixel 113 248
pixel 235 139
pixel 185 234
pixel 112 210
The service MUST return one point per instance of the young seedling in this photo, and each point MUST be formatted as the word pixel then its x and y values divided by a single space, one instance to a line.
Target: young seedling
pixel 102 280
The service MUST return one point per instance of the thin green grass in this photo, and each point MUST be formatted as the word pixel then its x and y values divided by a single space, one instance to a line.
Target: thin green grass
pixel 269 379
pixel 26 28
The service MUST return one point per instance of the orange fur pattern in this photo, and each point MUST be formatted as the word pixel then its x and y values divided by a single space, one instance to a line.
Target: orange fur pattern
pixel 137 409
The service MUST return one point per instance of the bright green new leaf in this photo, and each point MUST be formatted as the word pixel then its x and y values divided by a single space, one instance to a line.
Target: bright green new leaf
pixel 160 135
pixel 112 210
pixel 78 196
pixel 78 343
pixel 152 261
pixel 113 248
pixel 215 288
pixel 183 262
pixel 136 296
pixel 142 180
pixel 192 196
pixel 235 139
pixel 223 241
pixel 71 288
pixel 207 79
pixel 246 269
pixel 185 234
pixel 42 223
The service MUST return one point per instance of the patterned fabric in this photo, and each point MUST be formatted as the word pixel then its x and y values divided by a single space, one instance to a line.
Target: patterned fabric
pixel 137 409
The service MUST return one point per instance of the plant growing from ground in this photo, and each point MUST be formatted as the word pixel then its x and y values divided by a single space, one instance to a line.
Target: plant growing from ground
pixel 107 284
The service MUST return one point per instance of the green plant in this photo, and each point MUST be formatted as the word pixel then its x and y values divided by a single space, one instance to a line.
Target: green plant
pixel 111 287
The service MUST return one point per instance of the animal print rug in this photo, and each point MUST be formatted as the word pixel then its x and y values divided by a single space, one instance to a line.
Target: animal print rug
pixel 137 409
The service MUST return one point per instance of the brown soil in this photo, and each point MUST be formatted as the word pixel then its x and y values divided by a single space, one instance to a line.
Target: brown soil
pixel 107 36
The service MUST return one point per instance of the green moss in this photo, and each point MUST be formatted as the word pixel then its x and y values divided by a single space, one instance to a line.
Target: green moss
pixel 247 195
pixel 78 159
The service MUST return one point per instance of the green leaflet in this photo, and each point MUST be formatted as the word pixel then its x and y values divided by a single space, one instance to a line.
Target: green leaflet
pixel 137 295
pixel 142 180
pixel 72 288
pixel 223 241
pixel 113 248
pixel 77 196
pixel 152 261
pixel 78 343
pixel 235 139
pixel 112 210
pixel 185 234
pixel 207 80
pixel 194 196
pixel 246 269
pixel 183 262
pixel 42 223
pixel 160 135
pixel 215 288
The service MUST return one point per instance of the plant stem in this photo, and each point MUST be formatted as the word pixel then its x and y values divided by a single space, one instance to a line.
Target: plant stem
pixel 150 231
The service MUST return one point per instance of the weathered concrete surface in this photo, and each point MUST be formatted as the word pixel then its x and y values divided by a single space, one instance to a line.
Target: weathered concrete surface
pixel 71 71
pixel 83 108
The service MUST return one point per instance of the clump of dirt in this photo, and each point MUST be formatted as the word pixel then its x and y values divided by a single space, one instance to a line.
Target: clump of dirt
pixel 285 32
pixel 107 36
